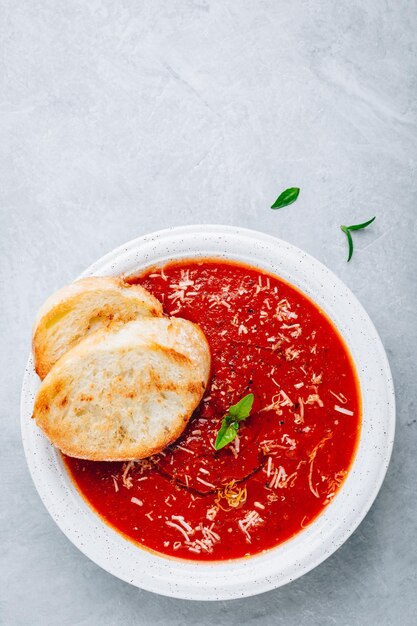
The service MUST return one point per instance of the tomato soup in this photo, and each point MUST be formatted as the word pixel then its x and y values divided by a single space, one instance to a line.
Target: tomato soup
pixel 290 455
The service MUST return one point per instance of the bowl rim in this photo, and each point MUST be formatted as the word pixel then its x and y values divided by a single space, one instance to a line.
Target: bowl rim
pixel 238 578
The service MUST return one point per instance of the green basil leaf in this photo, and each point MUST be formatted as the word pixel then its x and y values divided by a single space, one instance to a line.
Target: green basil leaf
pixel 241 410
pixel 286 197
pixel 230 423
pixel 226 434
pixel 347 229
pixel 350 241
pixel 360 226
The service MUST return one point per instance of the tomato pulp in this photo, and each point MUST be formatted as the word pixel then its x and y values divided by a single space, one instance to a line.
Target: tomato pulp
pixel 290 456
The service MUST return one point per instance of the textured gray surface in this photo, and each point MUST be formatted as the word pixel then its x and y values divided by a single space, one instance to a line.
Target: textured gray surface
pixel 122 117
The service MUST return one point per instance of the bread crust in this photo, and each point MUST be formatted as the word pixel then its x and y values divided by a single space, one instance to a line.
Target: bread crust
pixel 126 391
pixel 82 307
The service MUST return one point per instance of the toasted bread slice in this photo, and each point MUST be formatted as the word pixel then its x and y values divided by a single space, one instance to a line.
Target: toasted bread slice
pixel 81 308
pixel 125 392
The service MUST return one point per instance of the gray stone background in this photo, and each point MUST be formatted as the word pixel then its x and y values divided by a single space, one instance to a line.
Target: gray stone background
pixel 119 117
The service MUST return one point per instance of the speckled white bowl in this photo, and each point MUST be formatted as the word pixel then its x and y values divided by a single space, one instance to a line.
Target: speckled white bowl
pixel 243 577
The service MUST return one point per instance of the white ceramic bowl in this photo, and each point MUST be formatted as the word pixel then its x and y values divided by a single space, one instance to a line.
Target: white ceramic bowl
pixel 250 576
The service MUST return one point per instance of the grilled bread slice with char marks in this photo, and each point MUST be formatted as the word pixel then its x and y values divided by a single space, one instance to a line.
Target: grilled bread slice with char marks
pixel 125 392
pixel 78 309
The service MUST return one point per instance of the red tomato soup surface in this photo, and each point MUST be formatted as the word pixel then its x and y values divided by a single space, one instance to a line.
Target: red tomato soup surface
pixel 290 456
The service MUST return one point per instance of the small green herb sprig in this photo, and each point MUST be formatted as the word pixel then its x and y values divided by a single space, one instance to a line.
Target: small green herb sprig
pixel 347 230
pixel 287 197
pixel 291 194
pixel 230 424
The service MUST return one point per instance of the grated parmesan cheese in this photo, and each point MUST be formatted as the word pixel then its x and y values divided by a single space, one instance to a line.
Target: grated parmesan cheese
pixel 251 520
pixel 340 409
